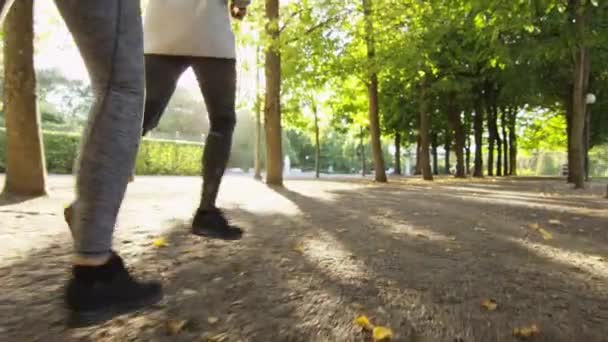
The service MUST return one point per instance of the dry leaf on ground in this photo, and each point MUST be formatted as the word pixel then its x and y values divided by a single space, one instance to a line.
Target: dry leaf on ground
pixel 299 248
pixel 555 222
pixel 545 234
pixel 363 322
pixel 526 332
pixel 489 304
pixel 382 334
pixel 160 242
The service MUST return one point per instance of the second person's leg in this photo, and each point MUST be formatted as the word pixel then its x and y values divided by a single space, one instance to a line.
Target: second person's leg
pixel 162 74
pixel 217 79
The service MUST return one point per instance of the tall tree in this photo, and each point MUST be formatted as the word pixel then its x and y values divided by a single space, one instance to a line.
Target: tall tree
pixel 581 77
pixel 26 172
pixel 397 153
pixel 459 137
pixel 372 87
pixel 505 141
pixel 435 154
pixel 257 157
pixel 513 142
pixel 478 132
pixel 315 113
pixel 425 124
pixel 447 147
pixel 272 103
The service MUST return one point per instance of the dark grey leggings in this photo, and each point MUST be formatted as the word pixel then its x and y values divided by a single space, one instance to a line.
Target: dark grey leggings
pixel 217 81
pixel 110 39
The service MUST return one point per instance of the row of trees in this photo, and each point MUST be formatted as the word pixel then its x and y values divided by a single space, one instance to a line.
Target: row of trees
pixel 425 73
pixel 456 73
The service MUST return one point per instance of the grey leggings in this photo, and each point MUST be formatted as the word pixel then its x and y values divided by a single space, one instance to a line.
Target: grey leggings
pixel 109 36
pixel 217 81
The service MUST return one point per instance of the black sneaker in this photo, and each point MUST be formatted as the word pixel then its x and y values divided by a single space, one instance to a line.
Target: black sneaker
pixel 213 224
pixel 97 294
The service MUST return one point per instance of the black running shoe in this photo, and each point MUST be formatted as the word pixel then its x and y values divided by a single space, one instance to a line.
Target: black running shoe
pixel 213 224
pixel 97 294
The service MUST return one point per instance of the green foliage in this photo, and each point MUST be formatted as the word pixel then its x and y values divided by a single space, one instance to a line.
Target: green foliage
pixel 599 161
pixel 156 157
pixel 163 157
pixel 543 131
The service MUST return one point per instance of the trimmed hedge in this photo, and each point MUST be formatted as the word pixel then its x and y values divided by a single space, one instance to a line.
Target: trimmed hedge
pixel 156 157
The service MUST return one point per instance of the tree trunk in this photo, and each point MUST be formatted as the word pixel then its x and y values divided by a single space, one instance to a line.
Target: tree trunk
pixel 587 134
pixel 458 129
pixel 498 146
pixel 467 155
pixel 577 169
pixel 513 142
pixel 434 146
pixel 397 153
pixel 317 142
pixel 447 146
pixel 491 127
pixel 418 170
pixel 505 141
pixel 587 142
pixel 363 166
pixel 372 87
pixel 257 157
pixel 25 163
pixel 272 105
pixel 478 132
pixel 425 125
pixel 569 110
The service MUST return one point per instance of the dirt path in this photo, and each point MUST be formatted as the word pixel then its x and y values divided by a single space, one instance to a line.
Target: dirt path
pixel 416 257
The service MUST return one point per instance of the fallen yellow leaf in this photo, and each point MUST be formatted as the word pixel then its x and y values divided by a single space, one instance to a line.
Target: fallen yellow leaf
pixel 526 332
pixel 299 248
pixel 489 304
pixel 382 334
pixel 363 322
pixel 160 242
pixel 545 234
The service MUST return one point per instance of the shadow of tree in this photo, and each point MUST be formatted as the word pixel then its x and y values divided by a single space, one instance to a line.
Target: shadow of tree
pixel 455 279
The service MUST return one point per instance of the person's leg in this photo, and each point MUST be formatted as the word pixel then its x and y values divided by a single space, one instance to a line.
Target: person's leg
pixel 110 39
pixel 162 74
pixel 217 79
